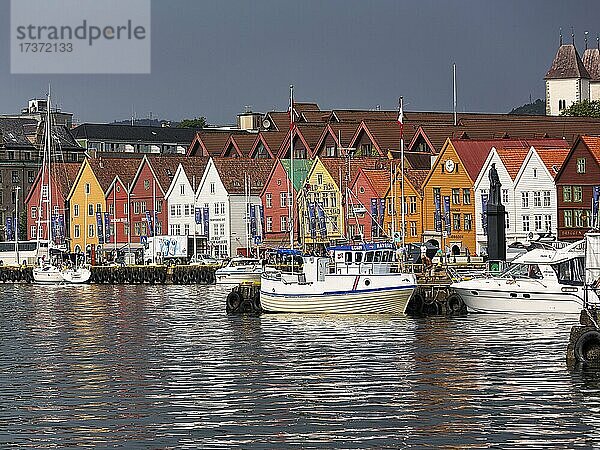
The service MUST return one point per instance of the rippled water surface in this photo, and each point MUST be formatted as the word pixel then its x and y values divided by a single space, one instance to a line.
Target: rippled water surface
pixel 165 367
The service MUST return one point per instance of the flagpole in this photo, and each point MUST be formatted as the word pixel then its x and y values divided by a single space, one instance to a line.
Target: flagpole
pixel 291 175
pixel 401 121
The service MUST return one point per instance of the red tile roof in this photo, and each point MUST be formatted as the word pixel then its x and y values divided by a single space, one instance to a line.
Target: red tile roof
pixel 232 170
pixel 593 144
pixel 379 180
pixel 106 169
pixel 513 159
pixel 338 167
pixel 416 177
pixel 165 167
pixel 553 158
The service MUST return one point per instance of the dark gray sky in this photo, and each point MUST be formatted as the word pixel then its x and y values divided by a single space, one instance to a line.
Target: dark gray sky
pixel 213 57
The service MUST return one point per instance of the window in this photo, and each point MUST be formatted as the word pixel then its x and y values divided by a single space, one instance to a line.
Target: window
pixel 137 229
pixel 413 229
pixel 98 207
pixel 546 198
pixel 111 210
pixel 177 229
pixel 283 223
pixel 178 210
pixel 578 213
pixel 562 104
pixel 567 194
pixel 568 216
pixel 216 209
pixel 412 204
pixel 525 199
pixel 126 229
pixel 125 208
pixel 15 176
pixel 158 228
pixel 319 178
pixel 186 210
pixel 76 231
pixel 222 229
pixel 33 212
pixel 159 206
pixel 330 150
pixel 186 229
pixel 505 196
pixel 534 173
pixel 269 200
pixel 577 194
pixel 30 176
pixel 136 207
pixel 466 196
pixel 455 196
pixel 547 222
pixel 33 231
pixel 172 210
pixel 212 188
pixel 366 149
pixel 269 224
pixel 537 222
pixel 456 221
pixel 146 185
pixel 182 189
pixel 215 229
pixel 537 199
pixel 468 222
pixel 525 223
pixel 283 199
pixel 91 230
pixel 580 165
pixel 87 188
pixel 75 210
pixel 333 200
pixel 90 209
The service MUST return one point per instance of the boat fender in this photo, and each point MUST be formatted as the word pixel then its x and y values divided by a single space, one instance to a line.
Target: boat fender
pixel 431 309
pixel 587 347
pixel 456 305
pixel 163 276
pixel 186 278
pixel 202 275
pixel 415 305
pixel 210 277
pixel 257 308
pixel 234 301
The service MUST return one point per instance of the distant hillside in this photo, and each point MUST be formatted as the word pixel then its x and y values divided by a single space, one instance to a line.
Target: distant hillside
pixel 537 108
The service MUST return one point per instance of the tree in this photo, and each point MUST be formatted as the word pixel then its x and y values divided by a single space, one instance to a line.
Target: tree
pixel 537 108
pixel 584 108
pixel 199 122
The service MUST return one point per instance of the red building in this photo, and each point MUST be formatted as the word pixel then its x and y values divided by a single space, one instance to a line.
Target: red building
pixel 63 176
pixel 575 183
pixel 274 197
pixel 147 193
pixel 366 205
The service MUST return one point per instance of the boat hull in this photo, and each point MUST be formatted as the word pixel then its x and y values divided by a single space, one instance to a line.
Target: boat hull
pixel 237 278
pixel 77 276
pixel 374 302
pixel 47 275
pixel 523 299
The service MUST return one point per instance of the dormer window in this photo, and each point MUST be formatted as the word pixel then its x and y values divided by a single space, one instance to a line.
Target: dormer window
pixel 580 165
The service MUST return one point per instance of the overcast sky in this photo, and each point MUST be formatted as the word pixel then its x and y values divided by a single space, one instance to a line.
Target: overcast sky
pixel 212 58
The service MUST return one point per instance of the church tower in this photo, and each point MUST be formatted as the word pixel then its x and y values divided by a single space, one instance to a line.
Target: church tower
pixel 591 61
pixel 567 81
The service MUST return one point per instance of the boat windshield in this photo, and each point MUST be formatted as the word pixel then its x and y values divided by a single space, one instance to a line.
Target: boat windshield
pixel 570 271
pixel 531 271
pixel 242 262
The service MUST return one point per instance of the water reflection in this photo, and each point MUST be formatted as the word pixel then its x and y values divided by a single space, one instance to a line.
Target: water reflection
pixel 163 366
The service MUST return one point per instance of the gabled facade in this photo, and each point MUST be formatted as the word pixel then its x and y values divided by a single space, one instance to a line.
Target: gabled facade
pixel 330 144
pixel 367 203
pixel 86 199
pixel 275 200
pixel 267 144
pixel 567 80
pixel 229 186
pixel 305 138
pixel 63 177
pixel 413 205
pixel 575 182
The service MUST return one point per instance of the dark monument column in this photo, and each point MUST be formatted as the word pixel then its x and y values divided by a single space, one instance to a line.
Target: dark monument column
pixel 496 219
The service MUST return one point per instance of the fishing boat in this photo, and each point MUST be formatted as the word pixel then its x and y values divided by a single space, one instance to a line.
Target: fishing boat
pixel 352 279
pixel 543 280
pixel 239 270
pixel 51 267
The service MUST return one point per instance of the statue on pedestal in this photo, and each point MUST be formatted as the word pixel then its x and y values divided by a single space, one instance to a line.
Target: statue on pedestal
pixel 495 186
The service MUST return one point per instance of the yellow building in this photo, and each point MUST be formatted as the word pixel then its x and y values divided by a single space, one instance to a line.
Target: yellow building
pixel 322 198
pixel 448 194
pixel 85 200
pixel 413 201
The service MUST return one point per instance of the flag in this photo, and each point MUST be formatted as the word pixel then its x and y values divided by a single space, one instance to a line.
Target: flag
pixel 100 227
pixel 401 118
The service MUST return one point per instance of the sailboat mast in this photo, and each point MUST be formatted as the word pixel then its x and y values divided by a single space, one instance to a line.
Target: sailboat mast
pixel 291 177
pixel 402 202
pixel 49 156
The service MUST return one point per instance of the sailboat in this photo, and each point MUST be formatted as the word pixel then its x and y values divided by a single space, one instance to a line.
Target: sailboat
pixel 52 269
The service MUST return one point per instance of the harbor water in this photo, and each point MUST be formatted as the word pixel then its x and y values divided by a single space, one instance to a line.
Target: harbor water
pixel 165 367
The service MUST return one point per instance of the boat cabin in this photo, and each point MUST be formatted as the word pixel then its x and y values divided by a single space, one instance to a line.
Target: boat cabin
pixel 372 258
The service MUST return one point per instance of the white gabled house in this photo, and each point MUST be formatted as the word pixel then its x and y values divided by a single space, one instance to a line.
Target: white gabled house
pixel 535 193
pixel 508 163
pixel 228 186
pixel 180 198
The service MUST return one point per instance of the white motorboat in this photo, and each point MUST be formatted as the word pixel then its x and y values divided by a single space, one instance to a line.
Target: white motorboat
pixel 357 279
pixel 239 270
pixel 549 280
